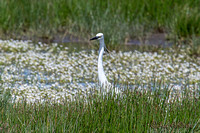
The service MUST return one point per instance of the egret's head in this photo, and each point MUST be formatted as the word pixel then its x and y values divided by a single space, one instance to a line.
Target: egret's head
pixel 97 37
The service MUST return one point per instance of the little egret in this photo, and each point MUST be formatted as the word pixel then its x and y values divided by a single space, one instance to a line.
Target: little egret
pixel 101 74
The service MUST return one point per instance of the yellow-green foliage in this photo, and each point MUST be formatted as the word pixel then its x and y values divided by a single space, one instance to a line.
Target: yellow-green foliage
pixel 118 19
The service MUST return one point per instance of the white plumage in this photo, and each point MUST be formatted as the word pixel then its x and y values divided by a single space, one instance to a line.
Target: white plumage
pixel 101 74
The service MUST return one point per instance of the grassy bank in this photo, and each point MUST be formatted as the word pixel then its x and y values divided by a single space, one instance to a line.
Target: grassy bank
pixel 118 20
pixel 137 112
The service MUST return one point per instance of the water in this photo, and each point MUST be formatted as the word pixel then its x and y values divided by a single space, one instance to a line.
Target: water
pixel 53 71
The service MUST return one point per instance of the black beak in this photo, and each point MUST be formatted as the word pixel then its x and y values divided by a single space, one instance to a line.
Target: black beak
pixel 94 38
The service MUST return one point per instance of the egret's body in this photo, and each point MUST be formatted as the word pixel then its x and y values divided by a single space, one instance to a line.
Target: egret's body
pixel 101 74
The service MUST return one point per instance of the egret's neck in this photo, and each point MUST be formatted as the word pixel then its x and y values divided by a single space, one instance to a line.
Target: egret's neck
pixel 102 45
pixel 101 75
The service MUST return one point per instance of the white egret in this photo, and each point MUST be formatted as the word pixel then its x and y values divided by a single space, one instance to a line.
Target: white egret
pixel 101 74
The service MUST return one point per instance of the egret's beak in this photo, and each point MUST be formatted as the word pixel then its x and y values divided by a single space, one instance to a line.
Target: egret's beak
pixel 94 38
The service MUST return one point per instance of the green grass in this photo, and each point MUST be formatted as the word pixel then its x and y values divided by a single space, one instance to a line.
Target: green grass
pixel 135 112
pixel 118 20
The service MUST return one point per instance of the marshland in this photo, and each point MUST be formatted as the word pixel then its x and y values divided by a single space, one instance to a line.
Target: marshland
pixel 48 66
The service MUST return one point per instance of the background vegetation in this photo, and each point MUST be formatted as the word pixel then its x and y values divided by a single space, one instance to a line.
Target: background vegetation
pixel 120 20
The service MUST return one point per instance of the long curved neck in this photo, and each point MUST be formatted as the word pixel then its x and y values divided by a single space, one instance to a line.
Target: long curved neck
pixel 101 74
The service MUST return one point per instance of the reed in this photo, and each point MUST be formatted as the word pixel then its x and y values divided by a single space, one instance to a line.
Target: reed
pixel 118 20
pixel 135 111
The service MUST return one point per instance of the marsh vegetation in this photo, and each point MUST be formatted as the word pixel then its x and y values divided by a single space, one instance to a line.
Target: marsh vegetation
pixel 53 87
pixel 47 88
pixel 118 20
